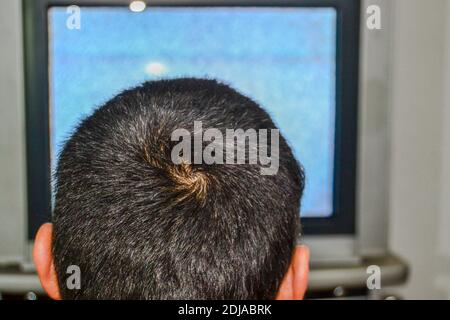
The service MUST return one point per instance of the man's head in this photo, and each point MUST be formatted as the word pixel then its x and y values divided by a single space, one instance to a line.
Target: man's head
pixel 141 227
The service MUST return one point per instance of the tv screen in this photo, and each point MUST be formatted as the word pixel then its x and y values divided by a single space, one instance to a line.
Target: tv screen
pixel 283 58
pixel 298 59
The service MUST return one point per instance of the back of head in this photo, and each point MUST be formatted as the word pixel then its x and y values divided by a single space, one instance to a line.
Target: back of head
pixel 141 227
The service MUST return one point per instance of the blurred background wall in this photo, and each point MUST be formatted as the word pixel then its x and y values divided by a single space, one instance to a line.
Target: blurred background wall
pixel 419 136
pixel 12 130
pixel 420 144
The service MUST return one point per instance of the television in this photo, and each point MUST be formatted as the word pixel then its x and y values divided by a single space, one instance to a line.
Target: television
pixel 299 59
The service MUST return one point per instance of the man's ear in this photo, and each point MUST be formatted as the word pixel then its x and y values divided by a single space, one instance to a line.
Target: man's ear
pixel 43 259
pixel 295 281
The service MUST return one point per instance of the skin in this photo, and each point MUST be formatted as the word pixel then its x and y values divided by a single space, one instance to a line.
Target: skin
pixel 293 285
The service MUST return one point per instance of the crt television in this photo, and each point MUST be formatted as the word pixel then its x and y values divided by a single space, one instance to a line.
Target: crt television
pixel 297 58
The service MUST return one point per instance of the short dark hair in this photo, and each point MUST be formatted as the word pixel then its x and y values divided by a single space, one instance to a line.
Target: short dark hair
pixel 136 224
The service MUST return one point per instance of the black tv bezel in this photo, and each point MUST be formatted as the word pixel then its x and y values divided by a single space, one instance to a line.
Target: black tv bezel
pixel 342 222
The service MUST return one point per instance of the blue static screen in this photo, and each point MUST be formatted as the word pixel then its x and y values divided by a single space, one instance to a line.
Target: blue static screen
pixel 283 58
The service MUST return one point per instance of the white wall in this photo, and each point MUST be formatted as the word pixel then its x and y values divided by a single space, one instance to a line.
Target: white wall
pixel 443 281
pixel 419 173
pixel 12 160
